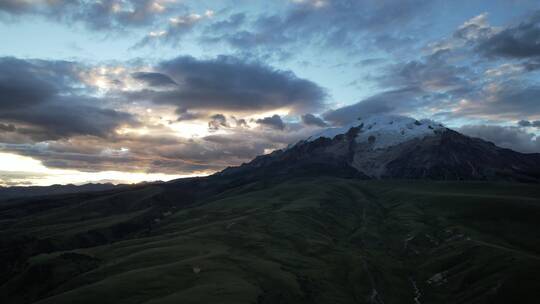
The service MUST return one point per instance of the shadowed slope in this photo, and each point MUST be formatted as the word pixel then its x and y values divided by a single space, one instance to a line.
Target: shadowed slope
pixel 309 240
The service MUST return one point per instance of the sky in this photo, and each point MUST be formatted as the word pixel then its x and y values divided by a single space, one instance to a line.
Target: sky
pixel 125 91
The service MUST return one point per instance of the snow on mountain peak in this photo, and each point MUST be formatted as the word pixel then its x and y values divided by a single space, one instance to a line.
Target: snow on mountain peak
pixel 385 130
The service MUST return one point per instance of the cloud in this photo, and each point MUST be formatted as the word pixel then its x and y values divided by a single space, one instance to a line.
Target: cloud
pixel 7 128
pixel 454 80
pixel 63 119
pixel 474 29
pixel 233 22
pixel 155 116
pixel 24 83
pixel 44 100
pixel 231 84
pixel 431 74
pixel 122 117
pixel 400 100
pixel 185 115
pixel 126 153
pixel 506 137
pixel 519 41
pixel 338 24
pixel 273 121
pixel 15 6
pixel 95 15
pixel 177 27
pixel 312 120
pixel 240 122
pixel 154 79
pixel 159 151
pixel 218 121
pixel 510 100
pixel 526 123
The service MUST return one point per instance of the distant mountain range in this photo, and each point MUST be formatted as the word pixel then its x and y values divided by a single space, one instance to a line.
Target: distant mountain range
pixel 20 192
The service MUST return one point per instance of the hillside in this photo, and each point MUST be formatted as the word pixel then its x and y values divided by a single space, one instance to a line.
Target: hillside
pixel 306 240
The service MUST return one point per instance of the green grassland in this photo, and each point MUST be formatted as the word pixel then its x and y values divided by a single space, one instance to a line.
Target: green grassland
pixel 305 240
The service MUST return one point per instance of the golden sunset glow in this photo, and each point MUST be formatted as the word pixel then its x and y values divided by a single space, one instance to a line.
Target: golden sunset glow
pixel 38 175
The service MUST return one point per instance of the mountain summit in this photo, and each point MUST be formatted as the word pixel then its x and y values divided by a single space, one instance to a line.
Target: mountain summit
pixel 396 147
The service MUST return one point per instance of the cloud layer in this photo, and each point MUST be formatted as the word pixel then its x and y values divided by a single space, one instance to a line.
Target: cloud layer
pixel 225 81
pixel 139 118
pixel 45 100
pixel 95 15
pixel 227 84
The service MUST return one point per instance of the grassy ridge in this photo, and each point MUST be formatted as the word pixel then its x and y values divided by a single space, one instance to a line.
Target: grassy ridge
pixel 311 240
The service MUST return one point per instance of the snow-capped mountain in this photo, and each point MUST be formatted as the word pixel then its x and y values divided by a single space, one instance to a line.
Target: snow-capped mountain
pixel 385 130
pixel 395 147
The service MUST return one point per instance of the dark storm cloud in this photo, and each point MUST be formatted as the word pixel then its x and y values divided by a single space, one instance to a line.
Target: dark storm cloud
pixel 273 121
pixel 154 79
pixel 95 15
pixel 45 98
pixel 520 41
pixel 24 83
pixel 312 120
pixel 65 118
pixel 506 137
pixel 230 84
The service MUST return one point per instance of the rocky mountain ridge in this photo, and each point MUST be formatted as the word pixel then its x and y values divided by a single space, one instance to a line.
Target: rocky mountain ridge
pixel 395 147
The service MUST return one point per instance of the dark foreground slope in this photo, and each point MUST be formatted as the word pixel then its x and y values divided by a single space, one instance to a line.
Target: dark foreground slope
pixel 303 240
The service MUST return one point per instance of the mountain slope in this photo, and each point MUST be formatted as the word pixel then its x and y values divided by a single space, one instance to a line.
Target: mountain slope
pixel 306 240
pixel 324 221
pixel 393 147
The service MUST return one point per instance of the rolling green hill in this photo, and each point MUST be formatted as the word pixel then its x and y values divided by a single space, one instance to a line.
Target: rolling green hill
pixel 298 240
